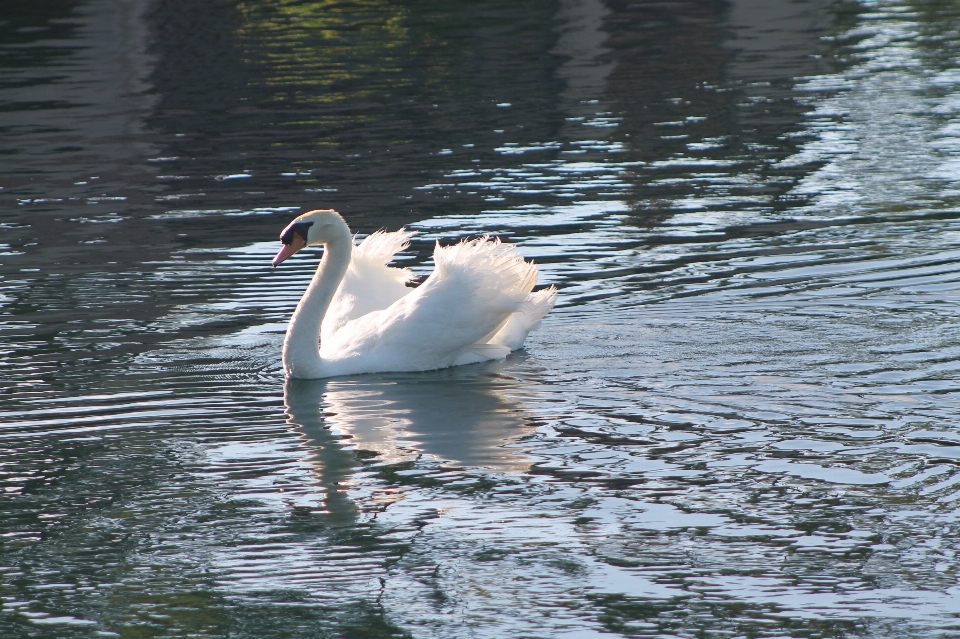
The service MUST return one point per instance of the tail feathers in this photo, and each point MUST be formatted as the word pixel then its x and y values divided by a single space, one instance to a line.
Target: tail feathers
pixel 540 303
pixel 510 335
pixel 515 331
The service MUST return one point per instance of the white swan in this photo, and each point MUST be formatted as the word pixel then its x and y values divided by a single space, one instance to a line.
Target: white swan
pixel 477 304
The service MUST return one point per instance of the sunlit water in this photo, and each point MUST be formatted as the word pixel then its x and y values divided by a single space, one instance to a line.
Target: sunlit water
pixel 740 420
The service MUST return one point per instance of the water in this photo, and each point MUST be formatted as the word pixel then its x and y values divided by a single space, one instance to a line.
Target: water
pixel 740 421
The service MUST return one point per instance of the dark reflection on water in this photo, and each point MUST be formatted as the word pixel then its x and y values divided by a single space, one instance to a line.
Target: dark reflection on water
pixel 739 421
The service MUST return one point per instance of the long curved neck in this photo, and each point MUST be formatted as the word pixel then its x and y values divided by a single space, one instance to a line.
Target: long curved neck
pixel 301 346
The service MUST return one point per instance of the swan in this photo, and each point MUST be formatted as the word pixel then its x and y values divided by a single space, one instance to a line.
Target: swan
pixel 477 305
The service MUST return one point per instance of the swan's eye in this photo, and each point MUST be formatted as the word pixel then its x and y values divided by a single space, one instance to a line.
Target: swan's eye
pixel 300 228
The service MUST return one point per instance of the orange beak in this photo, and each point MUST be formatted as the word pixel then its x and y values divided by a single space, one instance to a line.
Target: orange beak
pixel 296 243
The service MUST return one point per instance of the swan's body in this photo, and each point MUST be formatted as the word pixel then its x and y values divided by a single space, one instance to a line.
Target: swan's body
pixel 477 305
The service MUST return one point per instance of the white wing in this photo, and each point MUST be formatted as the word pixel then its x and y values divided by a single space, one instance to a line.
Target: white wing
pixel 369 285
pixel 450 319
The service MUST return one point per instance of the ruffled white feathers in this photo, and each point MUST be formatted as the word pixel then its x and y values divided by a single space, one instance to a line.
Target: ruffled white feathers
pixel 477 305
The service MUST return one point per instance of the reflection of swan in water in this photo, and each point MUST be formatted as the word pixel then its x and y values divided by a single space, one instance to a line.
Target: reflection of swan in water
pixel 464 415
pixel 333 461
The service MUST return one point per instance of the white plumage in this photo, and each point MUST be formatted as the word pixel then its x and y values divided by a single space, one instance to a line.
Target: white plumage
pixel 477 304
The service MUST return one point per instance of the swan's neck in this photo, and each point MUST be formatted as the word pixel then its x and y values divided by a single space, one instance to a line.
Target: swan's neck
pixel 301 346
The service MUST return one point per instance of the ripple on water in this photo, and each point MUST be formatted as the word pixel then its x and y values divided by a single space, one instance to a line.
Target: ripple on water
pixel 740 419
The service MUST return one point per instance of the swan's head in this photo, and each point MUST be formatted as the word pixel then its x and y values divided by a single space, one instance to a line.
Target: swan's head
pixel 313 227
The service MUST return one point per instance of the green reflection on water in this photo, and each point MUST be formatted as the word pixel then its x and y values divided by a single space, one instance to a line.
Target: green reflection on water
pixel 354 50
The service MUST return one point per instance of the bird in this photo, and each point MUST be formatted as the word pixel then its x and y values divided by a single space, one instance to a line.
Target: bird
pixel 359 315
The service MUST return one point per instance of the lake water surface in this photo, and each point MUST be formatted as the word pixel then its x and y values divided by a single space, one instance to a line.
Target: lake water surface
pixel 741 420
